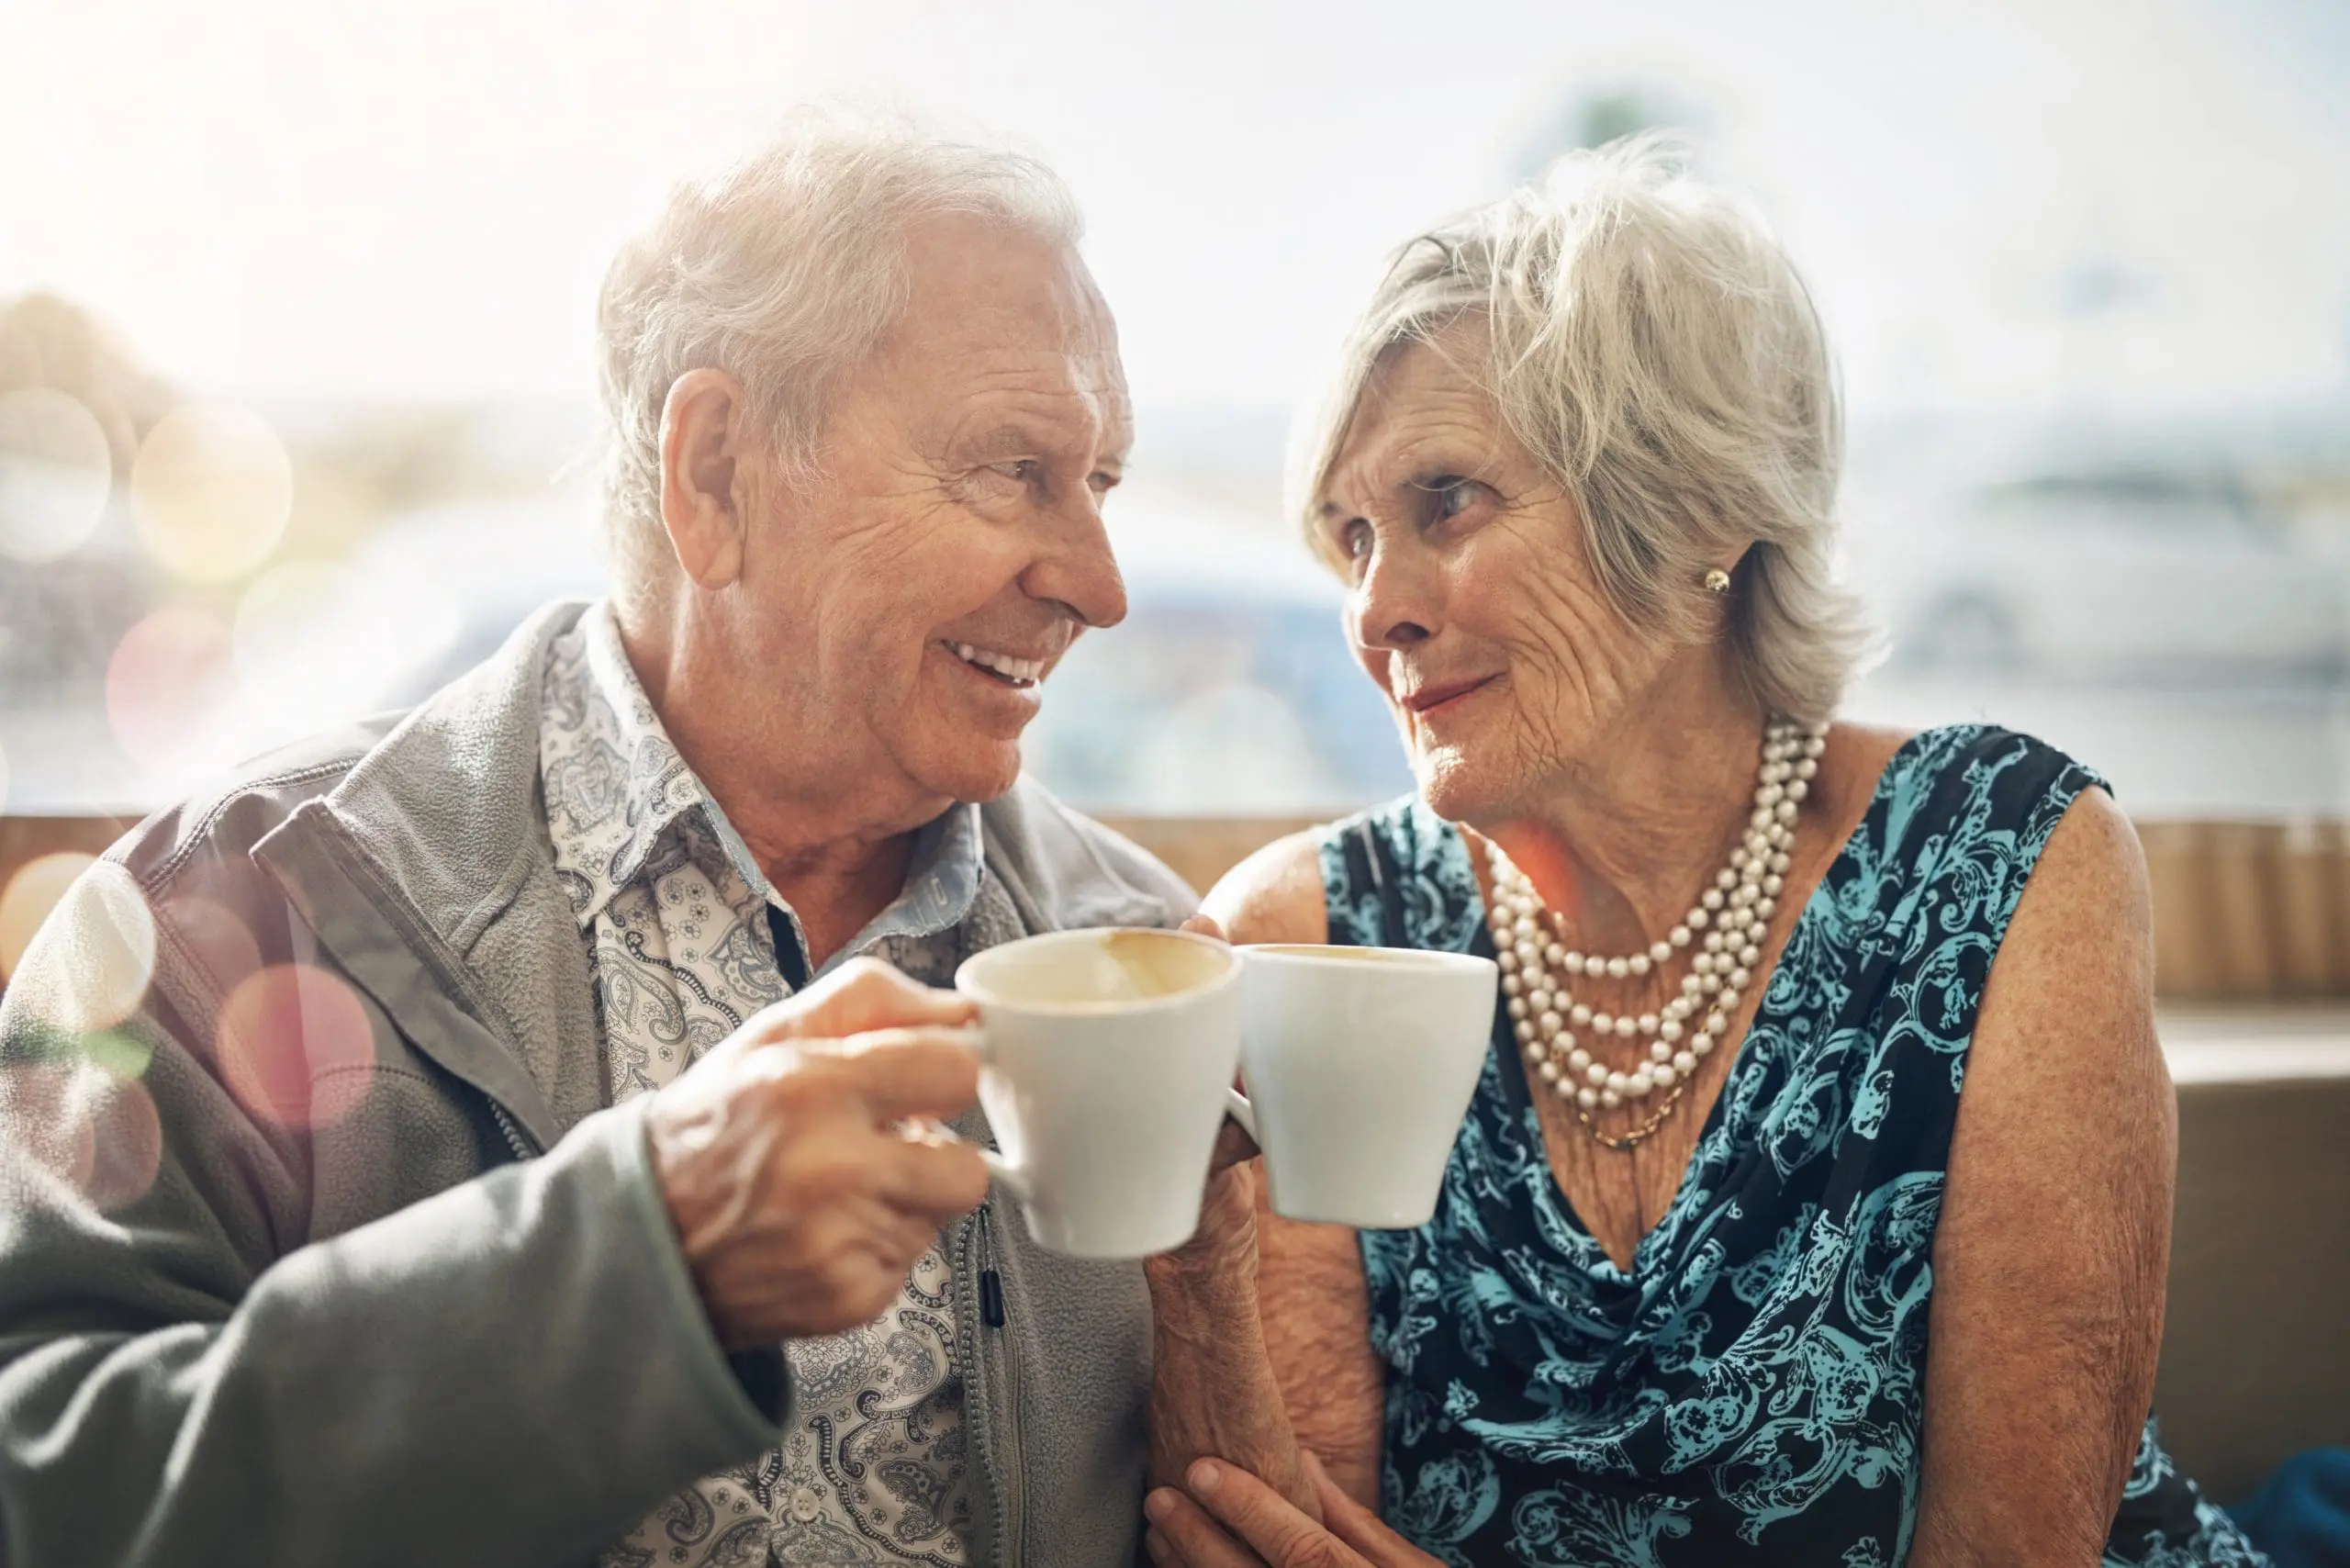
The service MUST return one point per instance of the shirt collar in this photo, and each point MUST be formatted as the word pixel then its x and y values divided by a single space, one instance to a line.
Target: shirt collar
pixel 616 787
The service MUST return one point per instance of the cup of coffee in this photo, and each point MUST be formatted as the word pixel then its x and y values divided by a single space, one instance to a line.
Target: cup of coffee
pixel 1359 1064
pixel 1106 1059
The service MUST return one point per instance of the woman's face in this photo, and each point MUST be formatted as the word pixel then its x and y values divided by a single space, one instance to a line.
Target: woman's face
pixel 1473 605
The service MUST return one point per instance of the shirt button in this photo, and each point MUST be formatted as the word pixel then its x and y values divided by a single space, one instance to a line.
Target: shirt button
pixel 806 1506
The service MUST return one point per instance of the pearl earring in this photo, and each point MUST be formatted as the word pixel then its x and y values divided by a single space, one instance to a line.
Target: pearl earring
pixel 1716 580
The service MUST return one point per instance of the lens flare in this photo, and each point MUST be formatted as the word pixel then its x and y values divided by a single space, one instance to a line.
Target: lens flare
pixel 31 893
pixel 211 489
pixel 295 1047
pixel 172 692
pixel 95 952
pixel 55 474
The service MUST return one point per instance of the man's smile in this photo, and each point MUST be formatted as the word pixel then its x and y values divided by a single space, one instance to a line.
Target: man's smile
pixel 1018 673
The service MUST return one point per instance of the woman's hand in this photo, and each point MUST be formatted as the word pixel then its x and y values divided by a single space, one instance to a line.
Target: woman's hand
pixel 1228 1518
pixel 1213 1384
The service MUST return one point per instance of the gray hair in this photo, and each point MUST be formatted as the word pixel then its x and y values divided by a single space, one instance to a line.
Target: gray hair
pixel 787 271
pixel 1648 342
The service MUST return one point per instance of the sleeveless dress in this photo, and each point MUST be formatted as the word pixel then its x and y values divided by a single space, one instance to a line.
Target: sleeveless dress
pixel 1751 1389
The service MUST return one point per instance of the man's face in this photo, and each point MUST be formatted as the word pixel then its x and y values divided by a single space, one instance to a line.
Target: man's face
pixel 908 610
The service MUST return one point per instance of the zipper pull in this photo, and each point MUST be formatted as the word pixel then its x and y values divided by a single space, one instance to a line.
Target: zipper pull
pixel 991 1283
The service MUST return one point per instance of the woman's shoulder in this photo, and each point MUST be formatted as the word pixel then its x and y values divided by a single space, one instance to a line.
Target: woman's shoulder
pixel 1961 782
pixel 1966 810
pixel 1274 895
pixel 1395 875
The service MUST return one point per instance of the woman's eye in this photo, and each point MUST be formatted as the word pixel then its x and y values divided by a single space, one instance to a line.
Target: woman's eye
pixel 1354 540
pixel 1454 497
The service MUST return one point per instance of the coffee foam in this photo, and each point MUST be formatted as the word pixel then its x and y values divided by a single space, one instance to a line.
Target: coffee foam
pixel 1120 967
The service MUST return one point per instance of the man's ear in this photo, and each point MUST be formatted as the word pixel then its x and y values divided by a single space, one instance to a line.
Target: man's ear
pixel 705 446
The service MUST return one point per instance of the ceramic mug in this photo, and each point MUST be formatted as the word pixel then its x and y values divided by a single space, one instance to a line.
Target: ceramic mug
pixel 1106 1061
pixel 1359 1064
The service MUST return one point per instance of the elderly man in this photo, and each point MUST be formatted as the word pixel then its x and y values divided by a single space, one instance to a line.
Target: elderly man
pixel 512 1082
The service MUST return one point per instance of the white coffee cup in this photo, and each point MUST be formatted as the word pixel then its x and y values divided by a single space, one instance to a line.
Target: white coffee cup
pixel 1359 1064
pixel 1106 1065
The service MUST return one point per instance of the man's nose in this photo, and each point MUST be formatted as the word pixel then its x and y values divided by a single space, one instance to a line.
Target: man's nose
pixel 1074 566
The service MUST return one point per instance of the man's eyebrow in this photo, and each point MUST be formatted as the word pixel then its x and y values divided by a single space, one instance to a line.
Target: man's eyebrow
pixel 1005 440
pixel 1013 438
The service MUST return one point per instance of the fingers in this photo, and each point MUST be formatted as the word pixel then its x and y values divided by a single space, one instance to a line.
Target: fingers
pixel 1233 1147
pixel 906 1073
pixel 1204 925
pixel 933 1180
pixel 1264 1519
pixel 1183 1536
pixel 1353 1523
pixel 863 994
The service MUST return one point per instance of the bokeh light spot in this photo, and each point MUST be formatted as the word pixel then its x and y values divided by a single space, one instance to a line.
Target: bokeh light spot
pixel 126 1145
pixel 118 1053
pixel 48 1134
pixel 211 489
pixel 96 951
pixel 172 691
pixel 94 1133
pixel 31 893
pixel 55 474
pixel 295 1047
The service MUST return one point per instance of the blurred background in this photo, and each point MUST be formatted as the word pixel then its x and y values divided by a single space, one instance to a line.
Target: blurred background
pixel 295 304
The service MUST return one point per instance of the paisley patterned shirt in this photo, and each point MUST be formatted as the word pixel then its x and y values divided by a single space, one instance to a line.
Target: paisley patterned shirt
pixel 1751 1389
pixel 676 915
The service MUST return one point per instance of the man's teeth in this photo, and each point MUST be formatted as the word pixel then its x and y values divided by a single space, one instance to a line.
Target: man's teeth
pixel 1002 664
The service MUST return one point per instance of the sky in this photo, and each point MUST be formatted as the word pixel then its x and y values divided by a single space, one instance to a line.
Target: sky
pixel 2068 201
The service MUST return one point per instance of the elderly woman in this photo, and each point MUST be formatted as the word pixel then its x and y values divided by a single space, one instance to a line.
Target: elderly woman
pixel 1813 1204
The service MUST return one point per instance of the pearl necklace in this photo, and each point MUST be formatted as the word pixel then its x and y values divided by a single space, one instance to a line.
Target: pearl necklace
pixel 1726 925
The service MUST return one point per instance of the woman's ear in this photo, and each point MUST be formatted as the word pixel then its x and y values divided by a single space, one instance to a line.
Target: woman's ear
pixel 705 427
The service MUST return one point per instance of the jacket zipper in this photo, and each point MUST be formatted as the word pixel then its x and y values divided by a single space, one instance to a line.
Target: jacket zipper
pixel 991 1316
pixel 515 1138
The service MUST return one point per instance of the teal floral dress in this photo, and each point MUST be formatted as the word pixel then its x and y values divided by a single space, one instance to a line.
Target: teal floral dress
pixel 1750 1390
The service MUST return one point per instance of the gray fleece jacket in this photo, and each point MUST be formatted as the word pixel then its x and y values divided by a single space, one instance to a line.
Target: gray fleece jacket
pixel 372 1277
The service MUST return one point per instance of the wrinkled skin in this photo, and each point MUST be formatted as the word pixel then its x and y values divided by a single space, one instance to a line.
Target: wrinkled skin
pixel 800 654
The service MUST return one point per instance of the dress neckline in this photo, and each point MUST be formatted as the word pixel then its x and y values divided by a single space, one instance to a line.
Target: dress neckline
pixel 1594 1258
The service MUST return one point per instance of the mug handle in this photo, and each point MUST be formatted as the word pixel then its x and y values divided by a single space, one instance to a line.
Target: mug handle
pixel 1236 1106
pixel 1008 1176
pixel 1012 1178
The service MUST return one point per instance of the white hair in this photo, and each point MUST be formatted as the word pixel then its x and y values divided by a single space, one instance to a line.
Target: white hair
pixel 786 270
pixel 1647 340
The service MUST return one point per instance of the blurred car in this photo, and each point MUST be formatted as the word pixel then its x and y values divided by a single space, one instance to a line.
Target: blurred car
pixel 2135 575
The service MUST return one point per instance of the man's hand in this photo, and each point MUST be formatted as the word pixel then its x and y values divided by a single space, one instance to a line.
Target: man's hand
pixel 800 1201
pixel 1231 1519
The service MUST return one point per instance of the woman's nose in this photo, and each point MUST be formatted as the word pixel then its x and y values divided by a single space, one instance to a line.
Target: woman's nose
pixel 1393 606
